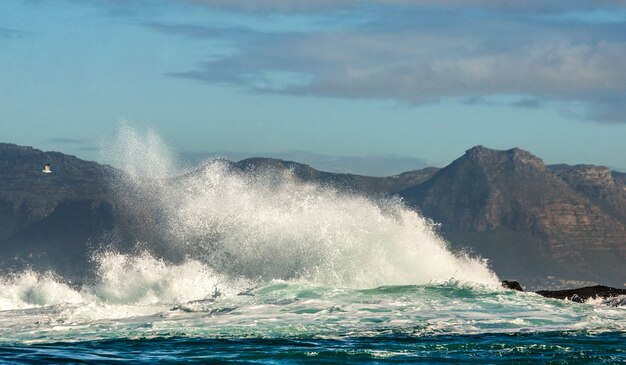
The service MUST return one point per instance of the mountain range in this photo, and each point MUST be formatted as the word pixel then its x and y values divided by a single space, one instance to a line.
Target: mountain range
pixel 549 226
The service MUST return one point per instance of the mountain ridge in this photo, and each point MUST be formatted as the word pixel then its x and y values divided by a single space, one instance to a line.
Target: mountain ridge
pixel 553 225
pixel 533 222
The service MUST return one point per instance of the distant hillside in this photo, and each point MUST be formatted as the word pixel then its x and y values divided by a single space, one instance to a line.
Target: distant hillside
pixel 538 224
pixel 621 176
pixel 530 220
pixel 47 219
pixel 362 184
pixel 362 165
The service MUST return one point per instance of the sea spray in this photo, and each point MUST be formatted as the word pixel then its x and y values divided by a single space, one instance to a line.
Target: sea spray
pixel 143 156
pixel 285 229
pixel 269 225
pixel 29 289
pixel 217 229
pixel 122 279
pixel 144 279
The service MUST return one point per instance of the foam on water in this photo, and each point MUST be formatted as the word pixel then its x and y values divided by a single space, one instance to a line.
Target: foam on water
pixel 144 280
pixel 141 280
pixel 281 309
pixel 30 289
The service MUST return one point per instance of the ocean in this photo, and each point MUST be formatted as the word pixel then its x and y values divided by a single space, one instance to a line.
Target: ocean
pixel 268 269
pixel 284 322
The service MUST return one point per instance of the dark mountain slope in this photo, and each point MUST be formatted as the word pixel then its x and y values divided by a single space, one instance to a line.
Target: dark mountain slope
pixel 509 207
pixel 621 176
pixel 46 220
pixel 598 184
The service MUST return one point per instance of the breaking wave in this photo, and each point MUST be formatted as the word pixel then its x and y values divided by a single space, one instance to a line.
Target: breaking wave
pixel 270 225
pixel 140 280
pixel 233 230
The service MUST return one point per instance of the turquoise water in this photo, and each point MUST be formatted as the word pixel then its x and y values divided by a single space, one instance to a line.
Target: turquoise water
pixel 556 348
pixel 293 323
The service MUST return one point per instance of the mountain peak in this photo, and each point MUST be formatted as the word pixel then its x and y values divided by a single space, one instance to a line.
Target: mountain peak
pixel 485 189
pixel 515 156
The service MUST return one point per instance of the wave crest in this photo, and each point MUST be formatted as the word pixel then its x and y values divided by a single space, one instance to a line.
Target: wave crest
pixel 270 225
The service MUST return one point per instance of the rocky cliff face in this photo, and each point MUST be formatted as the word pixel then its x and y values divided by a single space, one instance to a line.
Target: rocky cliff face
pixel 481 190
pixel 599 185
pixel 559 222
pixel 620 176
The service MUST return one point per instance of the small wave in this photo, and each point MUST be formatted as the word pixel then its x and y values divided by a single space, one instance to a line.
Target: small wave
pixel 281 309
pixel 121 280
pixel 616 301
pixel 144 279
pixel 30 289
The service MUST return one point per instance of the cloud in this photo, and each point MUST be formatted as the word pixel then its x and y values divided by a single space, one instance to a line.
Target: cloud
pixel 422 51
pixel 66 141
pixel 10 33
pixel 607 108
pixel 529 103
pixel 417 67
pixel 510 6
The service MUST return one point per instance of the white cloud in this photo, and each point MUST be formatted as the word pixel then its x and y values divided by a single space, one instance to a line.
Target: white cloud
pixel 528 6
pixel 418 55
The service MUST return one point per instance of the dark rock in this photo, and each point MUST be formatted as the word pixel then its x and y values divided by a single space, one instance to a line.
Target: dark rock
pixel 620 176
pixel 513 285
pixel 47 220
pixel 582 294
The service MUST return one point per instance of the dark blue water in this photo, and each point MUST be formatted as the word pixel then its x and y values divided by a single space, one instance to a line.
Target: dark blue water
pixel 557 348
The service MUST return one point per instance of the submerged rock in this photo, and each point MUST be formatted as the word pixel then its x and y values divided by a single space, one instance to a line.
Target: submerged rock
pixel 611 296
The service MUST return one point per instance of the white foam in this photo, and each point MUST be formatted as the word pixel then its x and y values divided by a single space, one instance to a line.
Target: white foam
pixel 616 301
pixel 29 290
pixel 275 227
pixel 144 280
pixel 122 281
pixel 143 155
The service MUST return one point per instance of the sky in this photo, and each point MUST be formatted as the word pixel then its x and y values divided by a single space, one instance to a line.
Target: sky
pixel 372 87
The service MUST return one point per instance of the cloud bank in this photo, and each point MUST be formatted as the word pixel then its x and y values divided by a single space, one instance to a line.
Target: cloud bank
pixel 10 33
pixel 538 53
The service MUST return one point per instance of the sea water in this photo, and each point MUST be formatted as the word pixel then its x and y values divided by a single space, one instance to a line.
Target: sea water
pixel 275 270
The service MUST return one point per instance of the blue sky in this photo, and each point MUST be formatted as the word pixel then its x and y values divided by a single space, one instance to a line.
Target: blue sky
pixel 394 81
